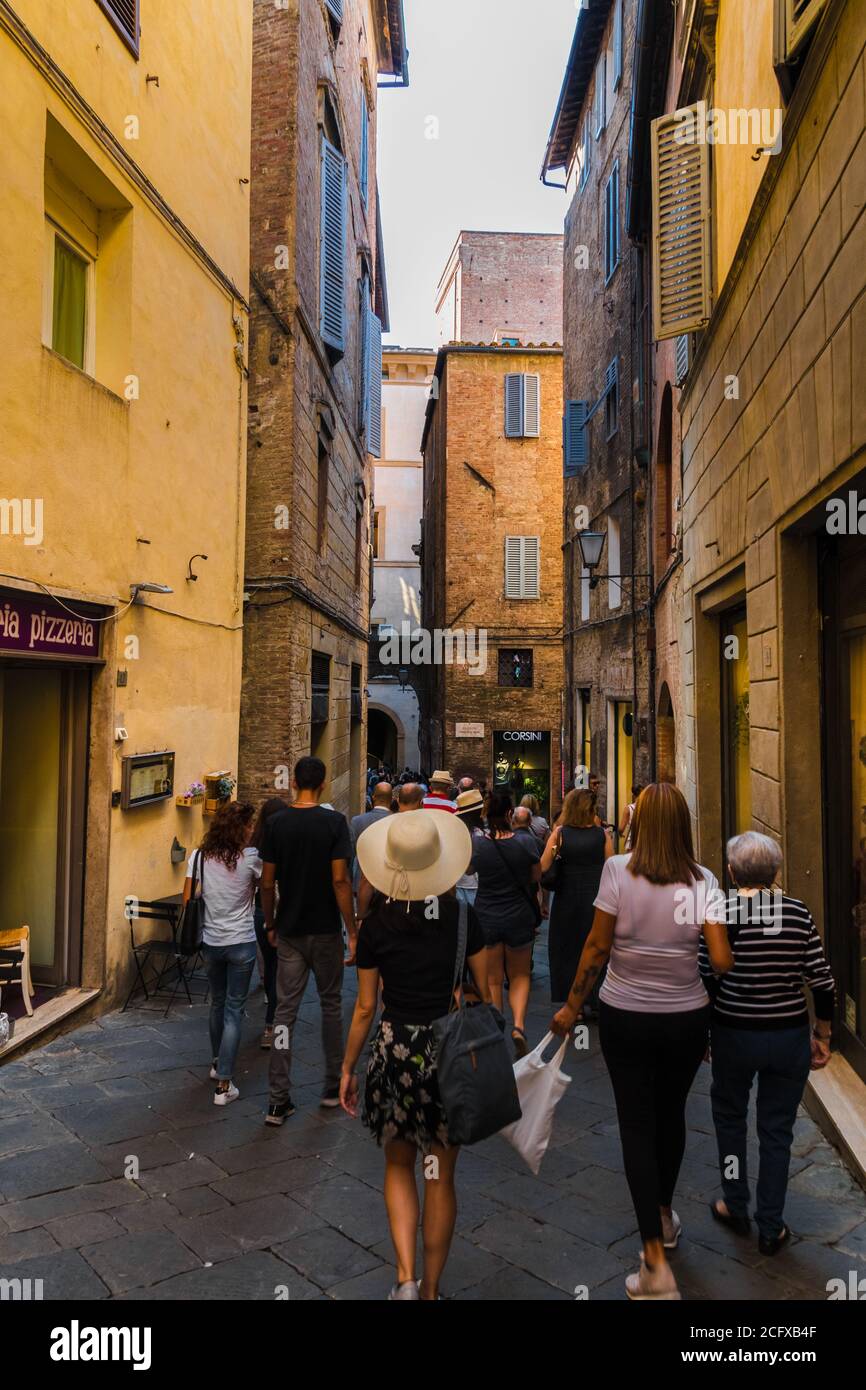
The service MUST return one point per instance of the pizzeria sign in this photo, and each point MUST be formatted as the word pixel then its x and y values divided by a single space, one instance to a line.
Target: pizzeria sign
pixel 34 626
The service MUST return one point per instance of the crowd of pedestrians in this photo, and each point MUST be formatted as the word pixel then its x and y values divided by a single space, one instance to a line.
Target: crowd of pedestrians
pixel 643 941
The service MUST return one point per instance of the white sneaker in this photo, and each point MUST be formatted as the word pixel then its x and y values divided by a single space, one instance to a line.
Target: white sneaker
pixel 652 1285
pixel 672 1229
pixel 404 1293
pixel 226 1097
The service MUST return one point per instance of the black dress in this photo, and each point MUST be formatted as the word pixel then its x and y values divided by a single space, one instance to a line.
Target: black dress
pixel 581 863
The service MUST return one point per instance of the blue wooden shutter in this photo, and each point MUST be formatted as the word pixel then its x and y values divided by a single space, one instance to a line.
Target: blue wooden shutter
pixel 374 384
pixel 365 144
pixel 332 313
pixel 575 450
pixel 513 405
pixel 617 43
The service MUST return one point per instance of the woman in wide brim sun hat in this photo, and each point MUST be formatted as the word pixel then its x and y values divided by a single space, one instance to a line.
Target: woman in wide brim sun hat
pixel 409 941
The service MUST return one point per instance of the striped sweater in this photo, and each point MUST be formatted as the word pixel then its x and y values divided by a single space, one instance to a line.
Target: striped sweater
pixel 777 950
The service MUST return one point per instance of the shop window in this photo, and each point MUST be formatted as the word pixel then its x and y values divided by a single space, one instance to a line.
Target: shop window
pixel 521 765
pixel 515 667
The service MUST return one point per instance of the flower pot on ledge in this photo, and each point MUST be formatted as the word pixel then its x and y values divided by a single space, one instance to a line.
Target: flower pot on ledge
pixel 189 800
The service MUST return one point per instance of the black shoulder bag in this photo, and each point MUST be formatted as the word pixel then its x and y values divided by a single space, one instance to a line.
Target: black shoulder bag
pixel 530 897
pixel 191 929
pixel 473 1062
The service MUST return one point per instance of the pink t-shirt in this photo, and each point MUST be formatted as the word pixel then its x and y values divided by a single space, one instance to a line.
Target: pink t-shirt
pixel 653 965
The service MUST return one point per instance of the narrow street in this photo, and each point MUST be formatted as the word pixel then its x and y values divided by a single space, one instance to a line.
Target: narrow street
pixel 223 1208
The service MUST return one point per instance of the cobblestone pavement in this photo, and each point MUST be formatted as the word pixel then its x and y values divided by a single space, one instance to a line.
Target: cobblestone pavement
pixel 224 1208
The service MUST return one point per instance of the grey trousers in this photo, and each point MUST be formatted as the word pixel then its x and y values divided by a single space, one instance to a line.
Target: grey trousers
pixel 296 957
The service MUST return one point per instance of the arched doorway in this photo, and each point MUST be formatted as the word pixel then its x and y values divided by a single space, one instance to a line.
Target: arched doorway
pixel 666 738
pixel 383 739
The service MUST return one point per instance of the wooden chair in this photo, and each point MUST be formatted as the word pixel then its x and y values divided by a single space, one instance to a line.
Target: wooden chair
pixel 15 962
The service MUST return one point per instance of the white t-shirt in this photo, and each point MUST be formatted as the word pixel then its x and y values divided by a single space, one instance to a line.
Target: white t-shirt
pixel 653 965
pixel 228 898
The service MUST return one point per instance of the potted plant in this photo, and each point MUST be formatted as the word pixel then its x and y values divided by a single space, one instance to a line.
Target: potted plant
pixel 192 796
pixel 218 788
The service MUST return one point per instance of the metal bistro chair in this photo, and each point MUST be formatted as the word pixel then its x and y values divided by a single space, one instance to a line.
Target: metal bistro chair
pixel 171 968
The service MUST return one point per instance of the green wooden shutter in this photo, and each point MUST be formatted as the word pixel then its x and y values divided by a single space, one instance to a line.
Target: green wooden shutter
pixel 332 313
pixel 682 281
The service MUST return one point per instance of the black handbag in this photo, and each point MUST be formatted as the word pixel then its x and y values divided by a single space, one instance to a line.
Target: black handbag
pixel 473 1062
pixel 551 879
pixel 191 927
pixel 530 897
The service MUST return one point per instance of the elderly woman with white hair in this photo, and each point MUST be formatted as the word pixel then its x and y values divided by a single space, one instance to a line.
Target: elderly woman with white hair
pixel 760 1028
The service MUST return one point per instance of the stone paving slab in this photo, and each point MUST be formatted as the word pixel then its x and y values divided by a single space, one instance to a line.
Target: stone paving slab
pixel 224 1208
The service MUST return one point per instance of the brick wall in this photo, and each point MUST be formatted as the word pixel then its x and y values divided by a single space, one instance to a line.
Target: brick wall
pixel 509 284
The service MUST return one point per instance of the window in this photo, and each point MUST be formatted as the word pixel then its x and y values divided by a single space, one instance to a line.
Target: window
pixel 584 594
pixel 335 9
pixel 614 563
pixel 575 441
pixel 507 342
pixel 611 222
pixel 332 313
pixel 123 17
pixel 515 668
pixel 611 398
pixel 617 43
pixel 320 688
pixel 794 21
pixel 522 405
pixel 378 533
pixel 68 317
pixel 600 108
pixel 356 709
pixel 365 144
pixel 585 154
pixel 522 564
pixel 683 351
pixel 681 225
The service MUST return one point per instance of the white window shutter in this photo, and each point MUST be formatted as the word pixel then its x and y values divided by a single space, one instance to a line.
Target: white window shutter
pixel 531 405
pixel 332 312
pixel 365 145
pixel 683 344
pixel 682 280
pixel 374 385
pixel 336 8
pixel 513 405
pixel 513 566
pixel 531 557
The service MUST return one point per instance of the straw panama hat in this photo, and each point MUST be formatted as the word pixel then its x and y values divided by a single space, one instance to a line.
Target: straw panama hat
pixel 469 801
pixel 440 779
pixel 415 856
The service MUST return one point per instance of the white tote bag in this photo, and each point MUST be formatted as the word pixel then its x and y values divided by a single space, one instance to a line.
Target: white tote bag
pixel 540 1087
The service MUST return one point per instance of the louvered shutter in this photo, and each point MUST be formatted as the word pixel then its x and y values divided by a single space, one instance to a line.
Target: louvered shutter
pixel 374 384
pixel 531 545
pixel 336 8
pixel 365 145
pixel 611 375
pixel 600 95
pixel 681 225
pixel 531 405
pixel 513 405
pixel 513 566
pixel 575 451
pixel 682 358
pixel 617 43
pixel 124 16
pixel 332 313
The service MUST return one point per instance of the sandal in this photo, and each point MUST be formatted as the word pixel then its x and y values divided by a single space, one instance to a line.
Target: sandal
pixel 741 1224
pixel 521 1046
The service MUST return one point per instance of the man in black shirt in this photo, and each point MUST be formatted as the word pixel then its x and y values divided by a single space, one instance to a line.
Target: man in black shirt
pixel 306 854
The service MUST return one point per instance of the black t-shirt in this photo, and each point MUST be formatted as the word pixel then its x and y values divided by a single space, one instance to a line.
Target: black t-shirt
pixel 505 884
pixel 415 956
pixel 302 843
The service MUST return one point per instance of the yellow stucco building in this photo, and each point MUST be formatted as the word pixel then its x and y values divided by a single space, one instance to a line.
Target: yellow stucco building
pixel 124 245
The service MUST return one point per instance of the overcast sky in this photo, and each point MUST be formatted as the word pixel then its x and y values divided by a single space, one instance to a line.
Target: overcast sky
pixel 489 71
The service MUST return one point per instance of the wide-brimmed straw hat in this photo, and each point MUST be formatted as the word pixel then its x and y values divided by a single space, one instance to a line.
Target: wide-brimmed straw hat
pixel 411 857
pixel 469 801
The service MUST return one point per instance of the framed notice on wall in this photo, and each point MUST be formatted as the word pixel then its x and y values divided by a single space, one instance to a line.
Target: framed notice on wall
pixel 147 777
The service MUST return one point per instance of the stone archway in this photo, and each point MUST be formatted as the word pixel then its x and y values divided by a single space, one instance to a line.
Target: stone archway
pixel 386 736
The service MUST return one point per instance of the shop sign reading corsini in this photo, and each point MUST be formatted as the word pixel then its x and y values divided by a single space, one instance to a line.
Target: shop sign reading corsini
pixel 33 626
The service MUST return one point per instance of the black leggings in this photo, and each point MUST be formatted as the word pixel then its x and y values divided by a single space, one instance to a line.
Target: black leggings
pixel 652 1060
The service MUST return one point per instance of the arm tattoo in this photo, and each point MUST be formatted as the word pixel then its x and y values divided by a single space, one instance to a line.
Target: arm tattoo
pixel 583 983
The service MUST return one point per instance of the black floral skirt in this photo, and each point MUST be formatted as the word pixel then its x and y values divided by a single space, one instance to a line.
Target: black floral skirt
pixel 401 1098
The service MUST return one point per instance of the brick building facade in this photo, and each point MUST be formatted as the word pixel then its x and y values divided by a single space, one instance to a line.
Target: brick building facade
pixel 501 285
pixel 608 701
pixel 319 304
pixel 492 545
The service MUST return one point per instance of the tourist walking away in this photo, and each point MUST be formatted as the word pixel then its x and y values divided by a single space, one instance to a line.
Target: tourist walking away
pixel 267 953
pixel 574 854
pixel 383 794
pixel 654 1010
pixel 306 855
pixel 540 827
pixel 470 809
pixel 760 1029
pixel 409 942
pixel 508 870
pixel 521 822
pixel 625 819
pixel 439 797
pixel 227 870
pixel 410 797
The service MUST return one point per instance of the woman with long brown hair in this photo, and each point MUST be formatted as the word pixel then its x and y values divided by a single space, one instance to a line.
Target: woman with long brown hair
pixel 576 850
pixel 228 871
pixel 654 1011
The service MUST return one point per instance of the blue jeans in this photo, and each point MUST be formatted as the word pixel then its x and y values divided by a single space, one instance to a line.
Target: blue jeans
pixel 230 971
pixel 780 1059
